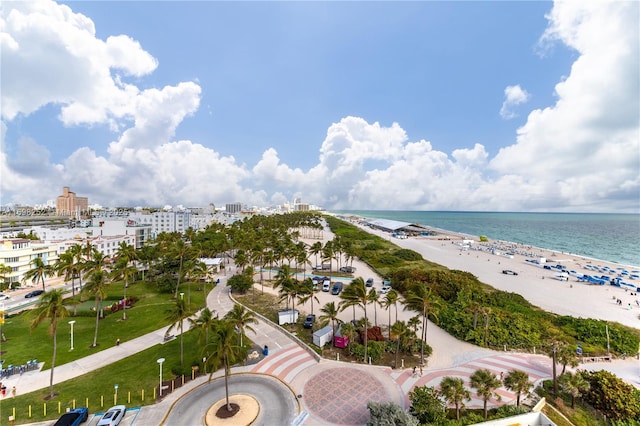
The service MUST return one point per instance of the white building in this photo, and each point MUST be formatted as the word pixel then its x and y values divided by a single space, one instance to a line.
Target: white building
pixel 18 253
pixel 178 221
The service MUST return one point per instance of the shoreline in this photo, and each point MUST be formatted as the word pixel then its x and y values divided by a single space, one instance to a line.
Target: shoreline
pixel 541 287
pixel 348 217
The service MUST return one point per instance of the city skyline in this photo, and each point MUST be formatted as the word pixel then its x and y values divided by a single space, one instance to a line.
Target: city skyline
pixel 488 106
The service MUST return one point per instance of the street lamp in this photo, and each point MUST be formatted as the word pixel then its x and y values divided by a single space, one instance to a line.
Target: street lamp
pixel 160 361
pixel 71 324
pixel 115 395
pixel 181 295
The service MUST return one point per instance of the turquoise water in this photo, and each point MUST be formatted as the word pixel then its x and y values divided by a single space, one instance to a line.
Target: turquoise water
pixel 609 237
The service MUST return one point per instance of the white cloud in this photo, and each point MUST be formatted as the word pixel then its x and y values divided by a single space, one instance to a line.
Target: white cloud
pixel 580 154
pixel 513 96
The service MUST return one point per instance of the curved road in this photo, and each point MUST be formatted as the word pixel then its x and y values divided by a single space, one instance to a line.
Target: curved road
pixel 278 404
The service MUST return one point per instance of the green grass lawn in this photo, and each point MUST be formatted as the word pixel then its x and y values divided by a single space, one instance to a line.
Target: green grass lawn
pixel 133 375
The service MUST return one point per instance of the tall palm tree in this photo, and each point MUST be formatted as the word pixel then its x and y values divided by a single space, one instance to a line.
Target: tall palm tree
pixel 68 267
pixel 400 329
pixel 4 271
pixel 176 315
pixel 39 271
pixel 96 287
pixel 485 383
pixel 374 299
pixel 51 307
pixel 308 293
pixel 224 352
pixel 182 251
pixel 316 249
pixel 203 323
pixel 124 271
pixel 453 391
pixel 356 294
pixel 486 313
pixel 518 382
pixel 329 313
pixel 421 299
pixel 390 299
pixel 241 318
pixel 574 384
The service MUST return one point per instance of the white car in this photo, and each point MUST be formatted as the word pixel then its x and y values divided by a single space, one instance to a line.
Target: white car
pixel 113 416
pixel 385 289
pixel 4 296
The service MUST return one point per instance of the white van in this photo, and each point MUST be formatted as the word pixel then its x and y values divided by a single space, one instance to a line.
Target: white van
pixel 326 285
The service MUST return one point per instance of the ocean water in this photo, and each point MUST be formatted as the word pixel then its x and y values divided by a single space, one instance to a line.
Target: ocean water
pixel 608 237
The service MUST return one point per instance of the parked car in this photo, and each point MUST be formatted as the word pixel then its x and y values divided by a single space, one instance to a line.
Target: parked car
pixel 4 296
pixel 113 416
pixel 73 417
pixel 337 288
pixel 326 285
pixel 509 272
pixel 309 321
pixel 385 289
pixel 348 269
pixel 33 293
pixel 369 282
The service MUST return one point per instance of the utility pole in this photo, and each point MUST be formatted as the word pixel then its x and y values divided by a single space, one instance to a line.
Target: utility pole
pixel 555 379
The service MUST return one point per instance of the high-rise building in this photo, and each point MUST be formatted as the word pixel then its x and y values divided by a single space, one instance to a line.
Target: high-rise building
pixel 68 204
pixel 233 207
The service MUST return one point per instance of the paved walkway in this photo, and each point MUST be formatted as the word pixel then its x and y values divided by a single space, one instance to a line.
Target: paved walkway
pixel 329 392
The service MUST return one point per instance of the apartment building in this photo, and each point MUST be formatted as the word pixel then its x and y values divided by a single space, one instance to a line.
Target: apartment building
pixel 178 221
pixel 69 204
pixel 18 253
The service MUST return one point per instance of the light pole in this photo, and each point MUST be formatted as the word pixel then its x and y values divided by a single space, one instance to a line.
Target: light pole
pixel 71 324
pixel 181 295
pixel 115 395
pixel 160 361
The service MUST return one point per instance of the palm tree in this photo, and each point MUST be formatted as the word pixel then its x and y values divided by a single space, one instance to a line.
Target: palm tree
pixel 355 294
pixel 391 298
pixel 241 318
pixel 329 313
pixel 574 384
pixel 565 355
pixel 224 352
pixel 123 270
pixel 176 316
pixel 453 391
pixel 401 331
pixel 4 271
pixel 421 299
pixel 68 267
pixel 486 312
pixel 182 251
pixel 374 299
pixel 316 249
pixel 51 307
pixel 97 287
pixel 518 382
pixel 485 383
pixel 204 323
pixel 308 293
pixel 39 271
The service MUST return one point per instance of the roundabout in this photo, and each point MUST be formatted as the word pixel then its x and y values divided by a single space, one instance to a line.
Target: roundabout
pixel 260 399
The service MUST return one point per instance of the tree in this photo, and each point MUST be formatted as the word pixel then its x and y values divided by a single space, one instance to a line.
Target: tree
pixel 203 323
pixel 68 267
pixel 224 352
pixel 453 391
pixel 308 293
pixel 182 251
pixel 39 271
pixel 518 382
pixel 566 355
pixel 485 383
pixel 96 287
pixel 355 294
pixel 421 299
pixel 389 413
pixel 329 313
pixel 4 271
pixel 122 270
pixel 401 332
pixel 426 405
pixel 176 316
pixel 612 396
pixel 391 299
pixel 574 385
pixel 51 307
pixel 241 318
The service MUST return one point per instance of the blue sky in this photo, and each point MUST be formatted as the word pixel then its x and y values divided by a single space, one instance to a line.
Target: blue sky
pixel 506 106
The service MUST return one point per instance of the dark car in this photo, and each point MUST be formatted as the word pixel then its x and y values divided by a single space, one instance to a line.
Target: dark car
pixel 369 282
pixel 337 288
pixel 73 417
pixel 33 293
pixel 509 272
pixel 309 321
pixel 348 269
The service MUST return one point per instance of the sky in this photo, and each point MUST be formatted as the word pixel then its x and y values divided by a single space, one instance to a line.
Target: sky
pixel 450 106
